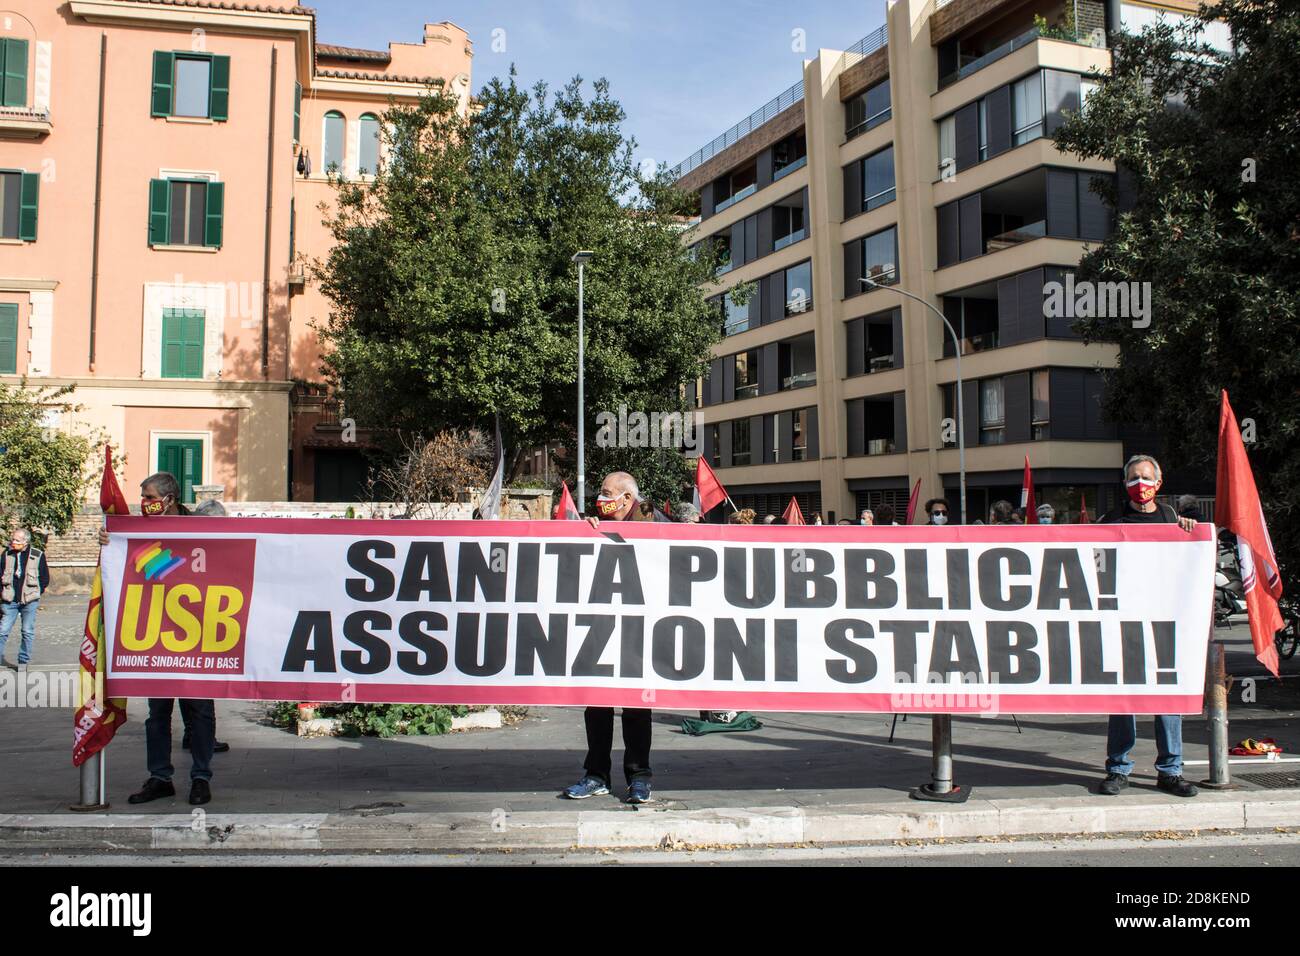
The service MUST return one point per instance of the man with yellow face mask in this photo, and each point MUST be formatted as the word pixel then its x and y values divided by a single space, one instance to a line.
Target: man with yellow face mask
pixel 1142 480
pixel 617 501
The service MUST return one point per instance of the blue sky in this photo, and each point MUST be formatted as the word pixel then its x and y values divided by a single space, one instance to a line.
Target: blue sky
pixel 684 71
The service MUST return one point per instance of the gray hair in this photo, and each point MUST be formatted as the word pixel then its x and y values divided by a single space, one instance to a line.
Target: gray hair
pixel 212 508
pixel 165 483
pixel 27 535
pixel 1187 501
pixel 1141 458
pixel 1045 508
pixel 685 511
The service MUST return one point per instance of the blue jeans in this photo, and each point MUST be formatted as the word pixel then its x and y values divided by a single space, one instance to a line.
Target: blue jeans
pixel 11 612
pixel 200 719
pixel 1121 735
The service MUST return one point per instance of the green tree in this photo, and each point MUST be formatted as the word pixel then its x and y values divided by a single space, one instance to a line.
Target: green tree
pixel 455 294
pixel 44 472
pixel 1207 144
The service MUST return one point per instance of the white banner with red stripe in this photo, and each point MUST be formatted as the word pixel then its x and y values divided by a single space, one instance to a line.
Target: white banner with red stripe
pixel 1053 619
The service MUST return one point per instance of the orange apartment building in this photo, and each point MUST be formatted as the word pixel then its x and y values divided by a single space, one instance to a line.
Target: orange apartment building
pixel 162 168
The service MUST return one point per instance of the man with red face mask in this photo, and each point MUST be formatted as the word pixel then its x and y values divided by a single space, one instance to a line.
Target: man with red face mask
pixel 160 496
pixel 1142 480
pixel 617 501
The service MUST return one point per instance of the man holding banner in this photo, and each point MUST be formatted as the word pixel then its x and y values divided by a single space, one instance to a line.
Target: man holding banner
pixel 1142 480
pixel 617 501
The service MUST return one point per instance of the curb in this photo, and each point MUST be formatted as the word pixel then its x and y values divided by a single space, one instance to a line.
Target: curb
pixel 499 829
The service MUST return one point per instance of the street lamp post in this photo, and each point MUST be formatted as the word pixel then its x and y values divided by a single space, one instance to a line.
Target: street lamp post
pixel 581 258
pixel 941 788
pixel 961 407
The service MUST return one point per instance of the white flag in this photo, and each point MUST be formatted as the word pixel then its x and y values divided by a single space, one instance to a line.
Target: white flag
pixel 490 506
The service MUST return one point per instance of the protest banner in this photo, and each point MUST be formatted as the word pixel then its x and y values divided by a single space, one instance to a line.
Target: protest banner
pixel 1061 619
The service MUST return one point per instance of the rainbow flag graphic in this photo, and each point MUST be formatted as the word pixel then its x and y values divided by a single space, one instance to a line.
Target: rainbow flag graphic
pixel 157 562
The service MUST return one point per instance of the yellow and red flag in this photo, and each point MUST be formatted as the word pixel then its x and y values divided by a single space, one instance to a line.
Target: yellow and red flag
pixel 97 719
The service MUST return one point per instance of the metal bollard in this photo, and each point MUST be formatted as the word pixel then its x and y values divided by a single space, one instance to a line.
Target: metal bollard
pixel 1216 712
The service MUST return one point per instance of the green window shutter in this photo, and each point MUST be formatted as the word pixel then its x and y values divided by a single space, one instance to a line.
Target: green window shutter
pixel 13 69
pixel 183 459
pixel 219 91
pixel 297 112
pixel 160 196
pixel 214 215
pixel 192 352
pixel 8 338
pixel 162 83
pixel 31 190
pixel 171 344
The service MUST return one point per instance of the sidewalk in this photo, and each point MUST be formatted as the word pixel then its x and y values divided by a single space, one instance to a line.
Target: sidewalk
pixel 802 778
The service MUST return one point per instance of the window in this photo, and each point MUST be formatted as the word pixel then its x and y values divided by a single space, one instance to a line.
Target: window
pixel 878 335
pixel 867 110
pixel 333 141
pixel 789 154
pixel 297 112
pixel 1086 89
pixel 992 412
pixel 796 363
pixel 1026 110
pixel 880 256
pixel 948 146
pixel 1041 407
pixel 878 179
pixel 191 84
pixel 740 435
pixel 788 222
pixel 799 436
pixel 735 186
pixel 182 457
pixel 13 72
pixel 715 442
pixel 8 338
pixel 878 421
pixel 722 243
pixel 186 212
pixel 182 348
pixel 735 316
pixel 983 130
pixel 19 195
pixel 368 163
pixel 746 374
pixel 798 288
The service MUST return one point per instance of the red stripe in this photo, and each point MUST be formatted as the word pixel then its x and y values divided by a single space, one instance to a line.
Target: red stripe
pixel 497 530
pixel 791 701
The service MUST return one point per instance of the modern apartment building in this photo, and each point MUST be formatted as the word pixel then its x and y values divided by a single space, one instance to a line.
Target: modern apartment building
pixel 920 158
pixel 162 165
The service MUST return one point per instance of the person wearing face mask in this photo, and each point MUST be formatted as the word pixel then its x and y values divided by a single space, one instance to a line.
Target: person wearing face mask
pixel 1046 514
pixel 1142 481
pixel 617 501
pixel 937 509
pixel 160 496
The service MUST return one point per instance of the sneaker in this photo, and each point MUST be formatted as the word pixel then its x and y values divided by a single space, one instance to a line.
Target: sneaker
pixel 588 786
pixel 153 789
pixel 200 793
pixel 638 791
pixel 1113 784
pixel 1175 784
pixel 218 746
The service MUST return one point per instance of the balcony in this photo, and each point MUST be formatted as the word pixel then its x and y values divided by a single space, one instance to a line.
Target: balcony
pixel 23 123
pixel 737 197
pixel 799 163
pixel 993 37
pixel 792 238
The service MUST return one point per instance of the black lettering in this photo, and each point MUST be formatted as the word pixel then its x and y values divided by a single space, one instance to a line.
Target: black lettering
pixel 735 586
pixel 1011 656
pixel 474 571
pixel 990 579
pixel 1132 637
pixel 549 647
pixel 840 637
pixel 430 654
pixel 805 566
pixel 616 561
pixel 958 562
pixel 425 572
pixel 378 654
pixel 526 571
pixel 687 566
pixel 599 629
pixel 1058 561
pixel 1060 655
pixel 916 568
pixel 310 642
pixel 379 578
pixel 905 634
pixel 663 655
pixel 729 648
pixel 567 568
pixel 867 581
pixel 493 657
pixel 787 649
pixel 953 650
pixel 631 661
pixel 1090 662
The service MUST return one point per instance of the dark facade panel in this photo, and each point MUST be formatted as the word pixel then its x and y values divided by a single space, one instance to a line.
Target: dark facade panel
pixel 751 238
pixel 852 189
pixel 852 268
pixel 896 321
pixel 970 412
pixel 785 423
pixel 997 112
pixel 855 346
pixel 854 416
pixel 967 136
pixel 1008 311
pixel 1065 399
pixel 1062 204
pixel 1015 392
pixel 1061 92
pixel 814 443
pixel 715 381
pixel 1029 291
pixel 768 372
pixel 900 421
pixel 948 237
pixel 971 227
pixel 1094 214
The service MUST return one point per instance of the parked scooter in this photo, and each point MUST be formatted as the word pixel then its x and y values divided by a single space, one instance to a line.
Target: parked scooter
pixel 1229 593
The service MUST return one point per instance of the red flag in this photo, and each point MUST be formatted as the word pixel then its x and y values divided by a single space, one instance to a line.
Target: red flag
pixel 668 507
pixel 1083 510
pixel 711 491
pixel 1027 496
pixel 565 509
pixel 911 502
pixel 1237 508
pixel 96 720
pixel 792 514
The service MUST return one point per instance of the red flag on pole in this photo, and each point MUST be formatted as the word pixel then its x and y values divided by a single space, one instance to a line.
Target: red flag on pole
pixel 1083 510
pixel 1237 508
pixel 911 502
pixel 792 514
pixel 1027 496
pixel 711 491
pixel 565 510
pixel 668 507
pixel 96 720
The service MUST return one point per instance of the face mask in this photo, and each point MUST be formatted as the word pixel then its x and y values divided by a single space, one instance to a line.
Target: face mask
pixel 607 506
pixel 153 508
pixel 939 518
pixel 1140 490
pixel 1042 519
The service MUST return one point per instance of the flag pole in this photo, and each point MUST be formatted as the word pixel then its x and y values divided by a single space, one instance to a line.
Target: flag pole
pixel 92 789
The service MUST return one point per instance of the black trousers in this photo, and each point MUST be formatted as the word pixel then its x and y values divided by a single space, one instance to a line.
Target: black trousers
pixel 600 742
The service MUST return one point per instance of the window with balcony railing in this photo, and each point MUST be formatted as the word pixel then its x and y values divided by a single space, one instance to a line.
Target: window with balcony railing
pixel 737 185
pixel 867 110
pixel 789 154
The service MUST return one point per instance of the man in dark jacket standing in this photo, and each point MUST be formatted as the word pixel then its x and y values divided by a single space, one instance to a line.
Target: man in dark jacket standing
pixel 617 502
pixel 1142 480
pixel 25 578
